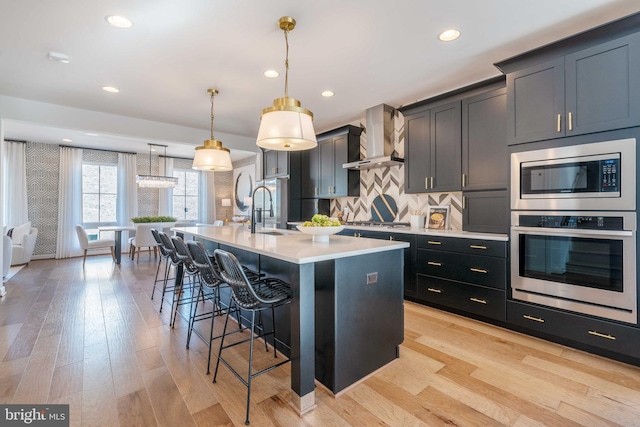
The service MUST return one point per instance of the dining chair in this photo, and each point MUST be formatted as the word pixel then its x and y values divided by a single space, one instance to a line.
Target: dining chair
pixel 143 239
pixel 87 244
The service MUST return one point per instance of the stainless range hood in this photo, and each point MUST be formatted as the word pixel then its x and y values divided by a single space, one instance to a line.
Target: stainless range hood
pixel 380 145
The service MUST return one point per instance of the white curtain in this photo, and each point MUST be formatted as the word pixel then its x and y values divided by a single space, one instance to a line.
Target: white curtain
pixel 127 204
pixel 207 197
pixel 69 202
pixel 14 181
pixel 165 195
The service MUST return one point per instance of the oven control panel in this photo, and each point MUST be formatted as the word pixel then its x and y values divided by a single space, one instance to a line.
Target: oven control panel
pixel 572 222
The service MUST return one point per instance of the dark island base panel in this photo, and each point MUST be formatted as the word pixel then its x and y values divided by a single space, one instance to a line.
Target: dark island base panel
pixel 627 352
pixel 358 326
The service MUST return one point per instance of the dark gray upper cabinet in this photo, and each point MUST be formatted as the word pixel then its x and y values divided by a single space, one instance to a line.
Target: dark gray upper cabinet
pixel 334 149
pixel 275 163
pixel 591 90
pixel 485 158
pixel 432 149
pixel 310 173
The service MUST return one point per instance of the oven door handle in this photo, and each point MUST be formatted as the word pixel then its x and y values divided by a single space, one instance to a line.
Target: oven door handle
pixel 570 232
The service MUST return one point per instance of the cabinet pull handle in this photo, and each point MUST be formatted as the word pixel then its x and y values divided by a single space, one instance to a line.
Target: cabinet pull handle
pixel 478 270
pixel 535 319
pixel 478 247
pixel 433 242
pixel 315 190
pixel 437 291
pixel 480 301
pixel 426 183
pixel 432 183
pixel 437 264
pixel 464 179
pixel 598 334
pixel 464 202
pixel 559 121
pixel 570 121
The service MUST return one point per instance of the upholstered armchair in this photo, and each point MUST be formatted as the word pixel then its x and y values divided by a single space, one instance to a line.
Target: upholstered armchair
pixel 22 248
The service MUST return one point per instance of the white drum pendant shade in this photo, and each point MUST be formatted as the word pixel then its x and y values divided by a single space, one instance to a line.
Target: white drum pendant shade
pixel 211 157
pixel 286 131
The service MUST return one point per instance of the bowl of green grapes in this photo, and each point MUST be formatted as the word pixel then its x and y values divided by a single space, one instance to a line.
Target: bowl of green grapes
pixel 321 227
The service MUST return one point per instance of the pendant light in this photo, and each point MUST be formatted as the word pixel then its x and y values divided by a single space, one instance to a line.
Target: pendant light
pixel 286 126
pixel 150 181
pixel 212 156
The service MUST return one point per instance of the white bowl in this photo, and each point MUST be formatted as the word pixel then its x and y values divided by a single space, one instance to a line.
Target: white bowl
pixel 320 234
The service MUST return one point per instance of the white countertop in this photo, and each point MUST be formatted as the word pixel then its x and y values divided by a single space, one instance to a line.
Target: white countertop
pixel 428 232
pixel 293 246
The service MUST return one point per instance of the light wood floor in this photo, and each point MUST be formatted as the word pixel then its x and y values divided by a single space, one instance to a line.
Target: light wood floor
pixel 93 338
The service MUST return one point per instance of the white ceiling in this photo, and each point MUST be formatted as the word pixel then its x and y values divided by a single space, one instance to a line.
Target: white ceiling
pixel 367 51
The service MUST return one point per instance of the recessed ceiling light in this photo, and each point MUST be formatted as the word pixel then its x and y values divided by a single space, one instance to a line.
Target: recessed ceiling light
pixel 58 57
pixel 67 140
pixel 91 134
pixel 449 35
pixel 272 74
pixel 110 89
pixel 328 93
pixel 119 21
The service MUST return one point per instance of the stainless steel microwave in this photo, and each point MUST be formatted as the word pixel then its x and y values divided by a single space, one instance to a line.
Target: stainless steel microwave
pixel 597 176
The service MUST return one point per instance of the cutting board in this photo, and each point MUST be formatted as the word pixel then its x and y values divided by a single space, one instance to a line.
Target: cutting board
pixel 384 208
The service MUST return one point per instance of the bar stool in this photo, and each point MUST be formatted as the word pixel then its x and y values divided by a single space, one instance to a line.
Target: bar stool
pixel 164 256
pixel 191 272
pixel 178 294
pixel 209 278
pixel 254 296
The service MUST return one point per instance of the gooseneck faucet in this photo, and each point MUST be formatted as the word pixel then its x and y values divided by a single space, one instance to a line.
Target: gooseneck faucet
pixel 253 204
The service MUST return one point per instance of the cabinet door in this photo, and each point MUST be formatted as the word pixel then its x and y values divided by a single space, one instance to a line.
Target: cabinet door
pixel 485 158
pixel 325 149
pixel 603 86
pixel 445 148
pixel 282 168
pixel 417 146
pixel 340 156
pixel 535 101
pixel 309 173
pixel 270 163
pixel 485 211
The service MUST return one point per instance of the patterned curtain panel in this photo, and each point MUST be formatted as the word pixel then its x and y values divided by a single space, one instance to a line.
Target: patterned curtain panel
pixel 127 204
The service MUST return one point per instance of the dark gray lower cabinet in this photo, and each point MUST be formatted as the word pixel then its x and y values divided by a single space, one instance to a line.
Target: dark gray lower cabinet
pixel 466 275
pixel 611 339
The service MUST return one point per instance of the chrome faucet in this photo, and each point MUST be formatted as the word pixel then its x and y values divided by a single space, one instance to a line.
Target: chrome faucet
pixel 253 209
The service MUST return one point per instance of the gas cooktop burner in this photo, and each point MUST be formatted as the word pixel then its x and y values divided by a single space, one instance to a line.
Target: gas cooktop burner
pixel 380 224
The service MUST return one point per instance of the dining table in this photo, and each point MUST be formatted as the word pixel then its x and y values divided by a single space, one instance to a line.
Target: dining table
pixel 118 229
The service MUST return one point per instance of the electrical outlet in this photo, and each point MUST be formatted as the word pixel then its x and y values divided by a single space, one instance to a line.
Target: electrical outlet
pixel 372 278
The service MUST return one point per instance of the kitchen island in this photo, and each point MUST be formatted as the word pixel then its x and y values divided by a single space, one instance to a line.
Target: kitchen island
pixel 345 319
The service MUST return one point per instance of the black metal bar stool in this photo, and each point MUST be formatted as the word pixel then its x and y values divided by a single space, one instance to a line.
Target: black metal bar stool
pixel 178 287
pixel 253 296
pixel 164 256
pixel 191 272
pixel 209 278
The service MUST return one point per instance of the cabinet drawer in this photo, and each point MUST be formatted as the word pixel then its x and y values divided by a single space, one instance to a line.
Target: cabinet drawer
pixel 598 333
pixel 480 270
pixel 469 246
pixel 461 296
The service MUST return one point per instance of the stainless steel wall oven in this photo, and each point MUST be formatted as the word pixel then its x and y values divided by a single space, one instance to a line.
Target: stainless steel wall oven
pixel 573 228
pixel 578 261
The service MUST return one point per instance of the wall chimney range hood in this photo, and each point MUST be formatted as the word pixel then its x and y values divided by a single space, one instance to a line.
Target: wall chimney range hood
pixel 379 136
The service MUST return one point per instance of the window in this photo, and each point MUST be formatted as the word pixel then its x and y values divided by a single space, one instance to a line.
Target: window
pixel 99 194
pixel 185 195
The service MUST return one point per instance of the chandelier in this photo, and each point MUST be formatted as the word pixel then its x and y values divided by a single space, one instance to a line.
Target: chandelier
pixel 212 156
pixel 286 126
pixel 151 181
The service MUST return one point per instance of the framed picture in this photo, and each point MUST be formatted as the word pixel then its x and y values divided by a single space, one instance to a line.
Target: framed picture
pixel 438 217
pixel 243 185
